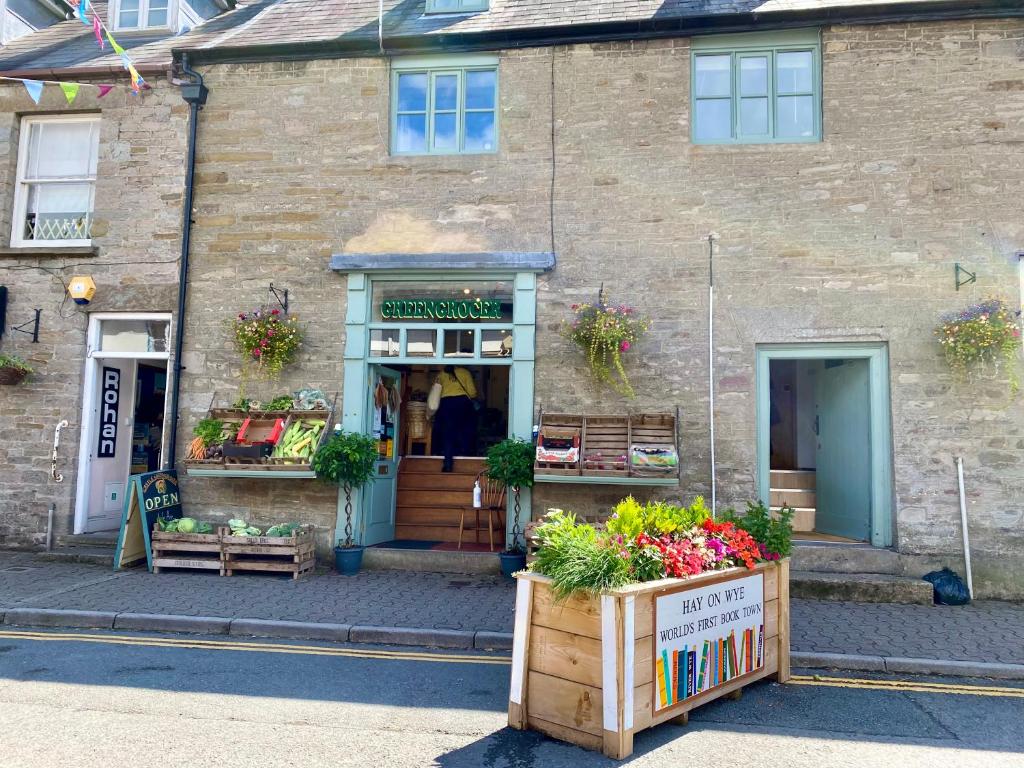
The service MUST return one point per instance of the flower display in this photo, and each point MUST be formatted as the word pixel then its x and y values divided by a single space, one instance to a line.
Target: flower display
pixel 982 335
pixel 604 332
pixel 268 339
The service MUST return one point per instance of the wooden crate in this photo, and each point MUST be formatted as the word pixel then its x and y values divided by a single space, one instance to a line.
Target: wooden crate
pixel 295 554
pixel 559 426
pixel 605 446
pixel 301 462
pixel 193 551
pixel 590 669
pixel 653 430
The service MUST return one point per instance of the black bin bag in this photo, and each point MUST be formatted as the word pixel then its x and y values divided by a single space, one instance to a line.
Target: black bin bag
pixel 948 588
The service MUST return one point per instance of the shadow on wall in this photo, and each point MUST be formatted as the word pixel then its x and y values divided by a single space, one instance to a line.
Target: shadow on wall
pixel 396 232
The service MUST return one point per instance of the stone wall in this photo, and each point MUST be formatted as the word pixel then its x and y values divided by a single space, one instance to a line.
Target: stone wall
pixel 136 236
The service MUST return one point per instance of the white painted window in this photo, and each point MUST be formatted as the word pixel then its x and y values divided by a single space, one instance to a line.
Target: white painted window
pixel 14 27
pixel 143 14
pixel 56 183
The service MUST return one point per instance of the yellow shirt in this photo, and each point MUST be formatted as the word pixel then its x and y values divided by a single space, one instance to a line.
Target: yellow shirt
pixel 459 385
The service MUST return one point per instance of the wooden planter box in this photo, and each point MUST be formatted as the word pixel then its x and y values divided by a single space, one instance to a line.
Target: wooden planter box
pixel 594 670
pixel 194 551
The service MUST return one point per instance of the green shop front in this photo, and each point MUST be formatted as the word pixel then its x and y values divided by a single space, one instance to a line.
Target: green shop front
pixel 408 318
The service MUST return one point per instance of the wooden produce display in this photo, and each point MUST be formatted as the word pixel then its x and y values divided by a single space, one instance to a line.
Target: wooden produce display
pixel 605 446
pixel 193 551
pixel 594 670
pixel 558 444
pixel 652 446
pixel 295 554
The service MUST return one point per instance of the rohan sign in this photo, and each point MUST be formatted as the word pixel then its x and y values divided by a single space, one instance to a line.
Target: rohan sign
pixel 441 309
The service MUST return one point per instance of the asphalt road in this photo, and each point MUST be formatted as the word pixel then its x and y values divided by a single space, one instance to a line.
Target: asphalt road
pixel 91 699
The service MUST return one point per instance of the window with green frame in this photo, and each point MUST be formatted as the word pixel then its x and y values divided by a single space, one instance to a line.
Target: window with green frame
pixel 445 107
pixel 756 89
pixel 456 6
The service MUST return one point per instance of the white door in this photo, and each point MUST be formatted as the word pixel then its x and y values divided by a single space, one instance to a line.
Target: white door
pixel 110 447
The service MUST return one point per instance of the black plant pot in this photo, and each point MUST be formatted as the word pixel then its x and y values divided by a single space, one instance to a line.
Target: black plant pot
pixel 512 562
pixel 348 560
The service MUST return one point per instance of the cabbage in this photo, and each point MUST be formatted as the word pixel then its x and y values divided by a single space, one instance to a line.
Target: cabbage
pixel 236 523
pixel 187 525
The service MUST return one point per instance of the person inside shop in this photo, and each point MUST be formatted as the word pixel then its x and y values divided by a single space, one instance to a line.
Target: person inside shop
pixel 455 422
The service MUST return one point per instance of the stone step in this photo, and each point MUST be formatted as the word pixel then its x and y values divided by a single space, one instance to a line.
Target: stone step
pixel 91 540
pixel 821 557
pixel 431 561
pixel 859 587
pixel 79 554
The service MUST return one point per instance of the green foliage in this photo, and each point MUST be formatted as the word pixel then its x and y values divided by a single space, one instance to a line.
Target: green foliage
pixel 510 463
pixel 211 430
pixel 575 558
pixel 604 332
pixel 13 361
pixel 775 533
pixel 985 335
pixel 346 459
pixel 629 518
pixel 279 403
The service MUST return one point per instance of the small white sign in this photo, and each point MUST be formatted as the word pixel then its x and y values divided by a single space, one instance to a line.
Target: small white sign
pixel 707 636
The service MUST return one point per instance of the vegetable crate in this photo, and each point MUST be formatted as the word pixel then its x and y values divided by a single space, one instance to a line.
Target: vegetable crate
pixel 652 441
pixel 194 551
pixel 558 445
pixel 606 446
pixel 293 554
pixel 310 428
pixel 594 670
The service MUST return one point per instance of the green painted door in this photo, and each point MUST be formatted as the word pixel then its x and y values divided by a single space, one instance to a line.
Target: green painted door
pixel 843 424
pixel 382 424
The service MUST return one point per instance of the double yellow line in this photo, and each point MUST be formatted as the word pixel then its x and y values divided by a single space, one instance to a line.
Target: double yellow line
pixel 903 686
pixel 265 647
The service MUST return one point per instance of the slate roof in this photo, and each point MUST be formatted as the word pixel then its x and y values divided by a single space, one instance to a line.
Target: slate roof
pixel 337 26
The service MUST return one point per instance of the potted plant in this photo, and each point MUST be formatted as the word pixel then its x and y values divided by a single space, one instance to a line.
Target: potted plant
pixel 510 463
pixel 13 369
pixel 267 340
pixel 603 332
pixel 346 459
pixel 982 338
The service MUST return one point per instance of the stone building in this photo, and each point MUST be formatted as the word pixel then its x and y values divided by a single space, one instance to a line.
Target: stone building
pixel 843 157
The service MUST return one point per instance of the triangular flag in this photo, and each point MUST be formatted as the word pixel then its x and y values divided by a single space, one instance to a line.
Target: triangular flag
pixel 125 61
pixel 97 29
pixel 82 11
pixel 70 91
pixel 136 78
pixel 104 90
pixel 34 88
pixel 113 44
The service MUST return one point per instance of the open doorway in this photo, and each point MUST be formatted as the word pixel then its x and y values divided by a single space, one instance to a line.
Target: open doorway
pixel 824 441
pixel 122 415
pixel 413 503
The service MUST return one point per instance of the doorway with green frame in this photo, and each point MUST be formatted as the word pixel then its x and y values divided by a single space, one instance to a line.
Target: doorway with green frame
pixel 824 439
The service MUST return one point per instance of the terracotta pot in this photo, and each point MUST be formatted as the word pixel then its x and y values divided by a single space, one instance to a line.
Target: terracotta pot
pixel 10 375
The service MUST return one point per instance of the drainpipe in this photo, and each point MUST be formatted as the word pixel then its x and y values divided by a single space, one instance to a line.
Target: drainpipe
pixel 194 93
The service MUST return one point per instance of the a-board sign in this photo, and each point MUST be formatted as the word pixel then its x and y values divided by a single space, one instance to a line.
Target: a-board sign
pixel 705 637
pixel 150 495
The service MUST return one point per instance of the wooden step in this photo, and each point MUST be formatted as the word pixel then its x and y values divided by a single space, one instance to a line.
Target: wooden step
pixel 803 518
pixel 433 516
pixel 793 478
pixel 438 498
pixel 794 497
pixel 424 481
pixel 444 533
pixel 432 465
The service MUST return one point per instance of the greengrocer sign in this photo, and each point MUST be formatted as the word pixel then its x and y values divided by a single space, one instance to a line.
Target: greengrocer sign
pixel 440 309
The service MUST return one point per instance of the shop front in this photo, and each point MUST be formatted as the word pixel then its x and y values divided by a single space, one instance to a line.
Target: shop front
pixel 469 320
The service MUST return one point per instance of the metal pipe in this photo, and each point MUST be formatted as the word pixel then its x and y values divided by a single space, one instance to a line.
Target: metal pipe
pixel 963 524
pixel 49 526
pixel 711 368
pixel 194 93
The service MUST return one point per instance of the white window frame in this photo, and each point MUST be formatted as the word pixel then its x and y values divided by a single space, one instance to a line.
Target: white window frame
pixel 172 16
pixel 4 13
pixel 464 7
pixel 21 186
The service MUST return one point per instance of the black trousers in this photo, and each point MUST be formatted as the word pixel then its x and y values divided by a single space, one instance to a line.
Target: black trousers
pixel 455 427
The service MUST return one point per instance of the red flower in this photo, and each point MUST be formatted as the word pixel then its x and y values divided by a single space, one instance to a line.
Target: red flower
pixel 275 312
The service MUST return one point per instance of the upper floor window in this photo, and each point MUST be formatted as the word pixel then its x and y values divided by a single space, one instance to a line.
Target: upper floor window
pixel 141 14
pixel 445 106
pixel 14 27
pixel 456 6
pixel 757 88
pixel 56 182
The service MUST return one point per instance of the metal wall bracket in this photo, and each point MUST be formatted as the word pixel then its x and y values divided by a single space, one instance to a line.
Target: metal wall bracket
pixel 957 271
pixel 281 296
pixel 34 333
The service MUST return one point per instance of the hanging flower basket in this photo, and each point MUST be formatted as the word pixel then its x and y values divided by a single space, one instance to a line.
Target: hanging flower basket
pixel 268 340
pixel 13 370
pixel 981 339
pixel 604 332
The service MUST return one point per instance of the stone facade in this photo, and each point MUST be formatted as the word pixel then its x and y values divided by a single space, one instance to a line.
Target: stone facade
pixel 134 262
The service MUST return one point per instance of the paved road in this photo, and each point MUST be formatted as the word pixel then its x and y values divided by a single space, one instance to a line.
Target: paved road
pixel 91 700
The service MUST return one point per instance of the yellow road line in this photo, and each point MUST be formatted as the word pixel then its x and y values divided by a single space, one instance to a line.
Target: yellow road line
pixel 907 686
pixel 269 647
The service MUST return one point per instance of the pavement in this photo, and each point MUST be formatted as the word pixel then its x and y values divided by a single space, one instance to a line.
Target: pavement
pixel 456 611
pixel 92 700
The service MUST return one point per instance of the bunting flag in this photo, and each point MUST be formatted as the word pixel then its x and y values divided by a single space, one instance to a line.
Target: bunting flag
pixel 113 44
pixel 137 81
pixel 34 88
pixel 104 90
pixel 70 91
pixel 97 29
pixel 82 13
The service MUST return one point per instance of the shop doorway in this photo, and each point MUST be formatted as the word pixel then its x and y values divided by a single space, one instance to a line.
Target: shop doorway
pixel 413 502
pixel 824 440
pixel 124 403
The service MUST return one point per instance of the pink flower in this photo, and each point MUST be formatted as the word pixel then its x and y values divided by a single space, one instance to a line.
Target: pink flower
pixel 256 353
pixel 275 312
pixel 241 316
pixel 624 346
